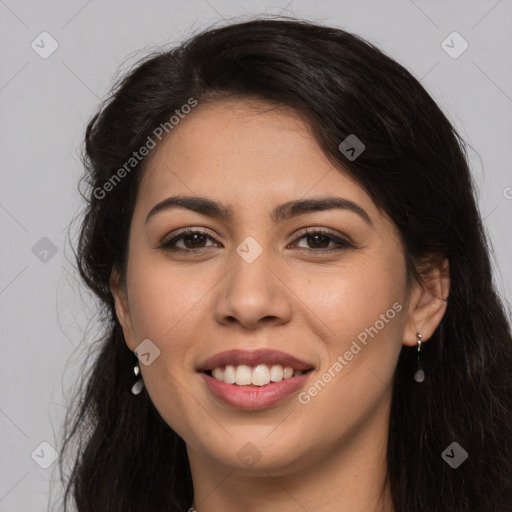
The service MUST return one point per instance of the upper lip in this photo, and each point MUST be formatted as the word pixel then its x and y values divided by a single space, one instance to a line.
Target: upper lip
pixel 253 357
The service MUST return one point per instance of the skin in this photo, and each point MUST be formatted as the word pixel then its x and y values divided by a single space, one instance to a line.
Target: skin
pixel 194 305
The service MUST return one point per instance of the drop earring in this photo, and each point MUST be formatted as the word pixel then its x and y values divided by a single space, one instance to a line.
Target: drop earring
pixel 419 375
pixel 139 384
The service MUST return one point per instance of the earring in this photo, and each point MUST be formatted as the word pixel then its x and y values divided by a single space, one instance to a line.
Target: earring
pixel 419 375
pixel 139 384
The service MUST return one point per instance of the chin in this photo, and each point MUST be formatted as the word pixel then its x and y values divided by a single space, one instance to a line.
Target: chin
pixel 260 455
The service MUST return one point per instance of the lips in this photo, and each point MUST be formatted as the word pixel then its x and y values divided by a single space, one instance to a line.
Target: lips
pixel 258 394
pixel 253 358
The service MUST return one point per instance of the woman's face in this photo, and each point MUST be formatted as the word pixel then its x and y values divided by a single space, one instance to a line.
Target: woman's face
pixel 253 280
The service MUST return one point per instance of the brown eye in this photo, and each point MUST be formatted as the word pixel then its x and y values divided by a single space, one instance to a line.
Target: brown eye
pixel 191 239
pixel 318 241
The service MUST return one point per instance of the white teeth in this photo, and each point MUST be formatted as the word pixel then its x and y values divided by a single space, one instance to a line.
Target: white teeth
pixel 259 375
pixel 243 375
pixel 229 374
pixel 276 373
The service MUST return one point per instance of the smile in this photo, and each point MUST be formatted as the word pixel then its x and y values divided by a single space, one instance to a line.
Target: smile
pixel 253 379
pixel 259 375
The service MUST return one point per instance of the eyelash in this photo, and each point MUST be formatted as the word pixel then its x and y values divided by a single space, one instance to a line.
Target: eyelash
pixel 169 245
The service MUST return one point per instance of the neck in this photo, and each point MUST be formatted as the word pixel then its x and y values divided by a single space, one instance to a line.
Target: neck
pixel 352 476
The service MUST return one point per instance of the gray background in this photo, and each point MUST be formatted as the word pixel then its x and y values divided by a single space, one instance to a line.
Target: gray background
pixel 45 104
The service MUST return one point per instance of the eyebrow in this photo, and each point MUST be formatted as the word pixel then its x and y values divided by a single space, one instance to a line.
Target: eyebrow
pixel 285 211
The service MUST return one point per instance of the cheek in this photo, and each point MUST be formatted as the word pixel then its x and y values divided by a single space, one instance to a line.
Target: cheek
pixel 166 308
pixel 364 309
pixel 354 298
pixel 163 297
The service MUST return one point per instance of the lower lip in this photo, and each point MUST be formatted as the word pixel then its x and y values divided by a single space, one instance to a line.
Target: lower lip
pixel 254 397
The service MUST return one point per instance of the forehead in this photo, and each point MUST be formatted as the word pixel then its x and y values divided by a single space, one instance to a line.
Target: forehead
pixel 245 151
pixel 240 135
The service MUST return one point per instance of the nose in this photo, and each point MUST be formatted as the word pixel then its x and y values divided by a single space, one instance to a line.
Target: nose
pixel 254 294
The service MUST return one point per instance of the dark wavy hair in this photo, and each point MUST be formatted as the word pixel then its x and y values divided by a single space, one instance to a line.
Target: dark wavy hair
pixel 415 168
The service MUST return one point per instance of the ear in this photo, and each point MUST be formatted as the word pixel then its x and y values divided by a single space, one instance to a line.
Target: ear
pixel 119 292
pixel 427 301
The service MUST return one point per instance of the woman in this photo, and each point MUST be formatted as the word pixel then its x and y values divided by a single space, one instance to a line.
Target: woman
pixel 281 227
